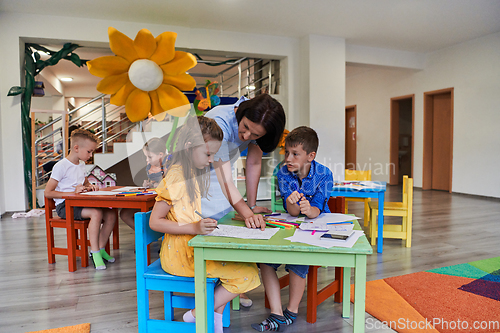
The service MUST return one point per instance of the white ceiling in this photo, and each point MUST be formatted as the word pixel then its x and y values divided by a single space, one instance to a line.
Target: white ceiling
pixel 407 25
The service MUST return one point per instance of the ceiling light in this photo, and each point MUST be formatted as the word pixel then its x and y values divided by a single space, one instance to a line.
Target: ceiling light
pixel 252 87
pixel 66 79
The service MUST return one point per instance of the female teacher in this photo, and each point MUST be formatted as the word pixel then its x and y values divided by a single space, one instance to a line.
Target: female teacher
pixel 257 124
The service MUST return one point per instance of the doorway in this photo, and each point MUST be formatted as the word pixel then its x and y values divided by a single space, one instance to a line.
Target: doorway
pixel 438 140
pixel 401 141
pixel 350 137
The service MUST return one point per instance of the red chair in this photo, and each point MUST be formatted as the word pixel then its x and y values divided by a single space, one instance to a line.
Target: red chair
pixel 82 241
pixel 315 297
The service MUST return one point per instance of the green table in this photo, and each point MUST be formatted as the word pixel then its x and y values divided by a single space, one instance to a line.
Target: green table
pixel 279 250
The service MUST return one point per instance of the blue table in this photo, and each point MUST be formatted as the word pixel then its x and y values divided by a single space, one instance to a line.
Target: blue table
pixel 378 192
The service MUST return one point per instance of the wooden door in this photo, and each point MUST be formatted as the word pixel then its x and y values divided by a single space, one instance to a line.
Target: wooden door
pixel 438 140
pixel 401 139
pixel 350 137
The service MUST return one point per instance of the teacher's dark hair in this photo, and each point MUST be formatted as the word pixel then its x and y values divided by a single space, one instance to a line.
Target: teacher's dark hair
pixel 267 112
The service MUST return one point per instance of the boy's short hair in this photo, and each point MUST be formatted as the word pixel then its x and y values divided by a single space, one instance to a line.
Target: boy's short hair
pixel 304 136
pixel 81 134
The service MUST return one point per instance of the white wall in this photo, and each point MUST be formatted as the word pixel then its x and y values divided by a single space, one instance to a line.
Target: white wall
pixel 14 27
pixel 326 70
pixel 473 70
pixel 311 78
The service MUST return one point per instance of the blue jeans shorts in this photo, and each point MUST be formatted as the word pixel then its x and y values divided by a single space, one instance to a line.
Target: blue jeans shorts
pixel 61 211
pixel 300 270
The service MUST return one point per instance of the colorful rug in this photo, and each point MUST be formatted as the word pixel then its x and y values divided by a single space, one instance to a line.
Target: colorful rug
pixel 82 328
pixel 459 298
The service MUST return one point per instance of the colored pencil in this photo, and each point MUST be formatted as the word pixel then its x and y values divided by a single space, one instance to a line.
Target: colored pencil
pixel 275 225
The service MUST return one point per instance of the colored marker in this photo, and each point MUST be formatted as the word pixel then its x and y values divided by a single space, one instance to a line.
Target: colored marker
pixel 276 225
pixel 273 214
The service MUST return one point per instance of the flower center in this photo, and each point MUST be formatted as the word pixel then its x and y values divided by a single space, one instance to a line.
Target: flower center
pixel 145 74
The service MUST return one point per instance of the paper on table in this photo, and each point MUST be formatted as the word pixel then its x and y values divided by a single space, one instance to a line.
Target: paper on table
pixel 307 237
pixel 332 218
pixel 128 189
pixel 243 232
pixel 325 227
pixel 99 193
pixel 286 217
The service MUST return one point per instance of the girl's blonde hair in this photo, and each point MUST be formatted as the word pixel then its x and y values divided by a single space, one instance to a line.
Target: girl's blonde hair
pixel 195 132
pixel 155 146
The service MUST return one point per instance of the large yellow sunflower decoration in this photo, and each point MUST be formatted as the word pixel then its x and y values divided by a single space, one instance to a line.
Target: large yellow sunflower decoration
pixel 146 74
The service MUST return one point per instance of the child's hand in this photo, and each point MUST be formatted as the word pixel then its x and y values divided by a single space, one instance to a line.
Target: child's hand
pixel 294 197
pixel 92 187
pixel 206 226
pixel 79 188
pixel 146 183
pixel 305 206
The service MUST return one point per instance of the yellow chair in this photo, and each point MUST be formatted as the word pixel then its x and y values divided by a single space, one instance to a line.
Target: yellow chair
pixel 403 209
pixel 361 176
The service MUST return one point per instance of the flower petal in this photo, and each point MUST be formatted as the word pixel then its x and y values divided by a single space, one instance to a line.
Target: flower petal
pixel 173 100
pixel 120 98
pixel 155 103
pixel 138 105
pixel 121 45
pixel 107 65
pixel 165 49
pixel 183 81
pixel 160 116
pixel 144 44
pixel 111 84
pixel 182 62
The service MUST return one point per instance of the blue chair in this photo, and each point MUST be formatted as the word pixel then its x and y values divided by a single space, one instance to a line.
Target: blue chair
pixel 153 277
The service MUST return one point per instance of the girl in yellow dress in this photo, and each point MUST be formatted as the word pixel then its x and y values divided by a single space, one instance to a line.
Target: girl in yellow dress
pixel 179 196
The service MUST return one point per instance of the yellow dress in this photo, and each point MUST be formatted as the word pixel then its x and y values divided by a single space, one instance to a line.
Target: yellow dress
pixel 177 257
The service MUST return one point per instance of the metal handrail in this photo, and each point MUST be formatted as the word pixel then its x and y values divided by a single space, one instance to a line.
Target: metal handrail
pixel 69 113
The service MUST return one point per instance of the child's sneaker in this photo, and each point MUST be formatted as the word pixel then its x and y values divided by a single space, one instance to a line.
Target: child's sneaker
pixel 97 260
pixel 105 256
pixel 273 323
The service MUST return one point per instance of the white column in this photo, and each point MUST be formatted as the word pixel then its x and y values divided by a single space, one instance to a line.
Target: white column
pixel 323 75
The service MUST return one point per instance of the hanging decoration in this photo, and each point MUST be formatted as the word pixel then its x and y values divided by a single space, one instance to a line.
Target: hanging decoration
pixel 281 144
pixel 146 74
pixel 33 65
pixel 206 97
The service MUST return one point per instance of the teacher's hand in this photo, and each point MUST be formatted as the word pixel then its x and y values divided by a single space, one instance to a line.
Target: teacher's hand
pixel 260 209
pixel 255 221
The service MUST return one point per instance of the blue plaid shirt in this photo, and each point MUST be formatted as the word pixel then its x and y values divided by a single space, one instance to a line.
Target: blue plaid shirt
pixel 316 187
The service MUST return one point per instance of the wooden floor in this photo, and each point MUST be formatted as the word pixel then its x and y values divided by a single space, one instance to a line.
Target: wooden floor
pixel 448 229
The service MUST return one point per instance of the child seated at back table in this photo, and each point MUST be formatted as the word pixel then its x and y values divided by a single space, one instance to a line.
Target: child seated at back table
pixel 179 197
pixel 155 151
pixel 68 176
pixel 305 186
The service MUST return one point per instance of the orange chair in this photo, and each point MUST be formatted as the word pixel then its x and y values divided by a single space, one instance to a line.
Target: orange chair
pixel 361 176
pixel 403 209
pixel 315 297
pixel 82 241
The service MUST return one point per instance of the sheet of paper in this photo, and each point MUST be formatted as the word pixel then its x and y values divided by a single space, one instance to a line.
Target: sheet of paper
pixel 332 218
pixel 286 217
pixel 128 189
pixel 307 237
pixel 99 193
pixel 243 232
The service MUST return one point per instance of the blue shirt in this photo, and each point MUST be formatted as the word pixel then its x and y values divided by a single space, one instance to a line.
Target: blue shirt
pixel 316 187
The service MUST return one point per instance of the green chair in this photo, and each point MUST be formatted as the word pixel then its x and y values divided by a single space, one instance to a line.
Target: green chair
pixel 276 200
